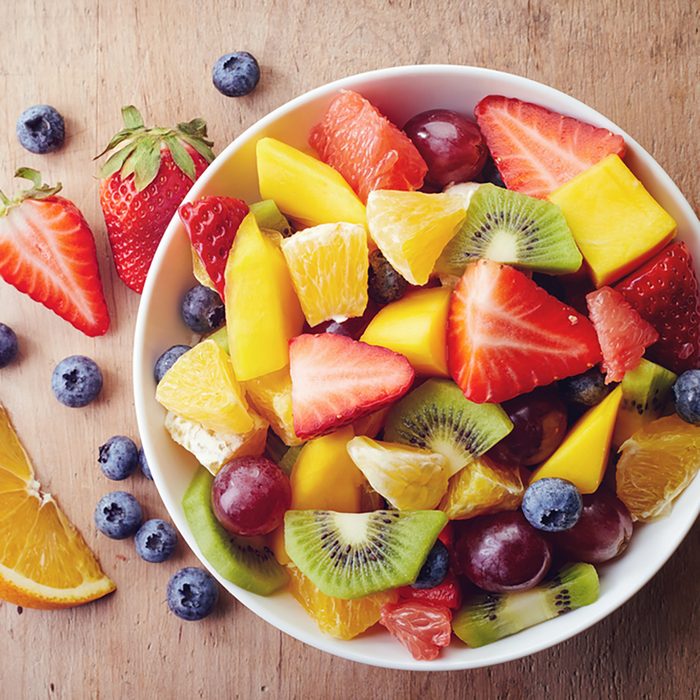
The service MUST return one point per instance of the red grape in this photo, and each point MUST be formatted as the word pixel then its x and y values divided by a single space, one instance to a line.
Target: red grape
pixel 601 533
pixel 451 145
pixel 502 552
pixel 250 496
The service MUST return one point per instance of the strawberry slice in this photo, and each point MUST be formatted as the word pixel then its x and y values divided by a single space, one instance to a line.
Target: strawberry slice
pixel 47 251
pixel 211 224
pixel 506 335
pixel 622 333
pixel 336 380
pixel 537 150
pixel 665 292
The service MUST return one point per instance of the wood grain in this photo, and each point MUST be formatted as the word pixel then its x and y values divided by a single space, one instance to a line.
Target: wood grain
pixel 636 61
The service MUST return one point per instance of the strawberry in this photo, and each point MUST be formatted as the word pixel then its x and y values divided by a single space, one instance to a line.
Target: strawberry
pixel 536 150
pixel 506 335
pixel 665 293
pixel 47 251
pixel 447 593
pixel 336 380
pixel 622 333
pixel 143 183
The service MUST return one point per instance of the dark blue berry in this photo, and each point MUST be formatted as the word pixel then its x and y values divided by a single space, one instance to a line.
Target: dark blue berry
pixel 202 309
pixel 40 129
pixel 143 462
pixel 8 345
pixel 192 593
pixel 587 389
pixel 552 505
pixel 687 393
pixel 118 457
pixel 76 381
pixel 155 541
pixel 118 515
pixel 435 567
pixel 385 284
pixel 490 174
pixel 167 360
pixel 236 74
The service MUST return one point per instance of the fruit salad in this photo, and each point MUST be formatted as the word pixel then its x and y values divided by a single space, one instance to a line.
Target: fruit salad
pixel 438 376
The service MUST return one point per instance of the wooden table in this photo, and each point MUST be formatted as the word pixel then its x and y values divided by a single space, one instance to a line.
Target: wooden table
pixel 635 61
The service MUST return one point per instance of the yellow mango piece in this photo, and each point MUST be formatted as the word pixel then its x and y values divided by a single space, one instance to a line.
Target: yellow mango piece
pixel 616 223
pixel 583 456
pixel 372 424
pixel 262 309
pixel 415 326
pixel 200 272
pixel 304 187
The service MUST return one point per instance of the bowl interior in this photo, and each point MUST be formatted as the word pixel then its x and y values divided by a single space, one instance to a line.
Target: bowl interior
pixel 400 93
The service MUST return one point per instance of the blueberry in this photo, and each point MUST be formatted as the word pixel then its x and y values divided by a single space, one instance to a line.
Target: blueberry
pixel 118 457
pixel 76 381
pixel 192 593
pixel 202 309
pixel 490 174
pixel 687 393
pixel 236 74
pixel 435 567
pixel 143 462
pixel 385 284
pixel 587 389
pixel 8 345
pixel 552 505
pixel 40 129
pixel 155 541
pixel 118 515
pixel 167 360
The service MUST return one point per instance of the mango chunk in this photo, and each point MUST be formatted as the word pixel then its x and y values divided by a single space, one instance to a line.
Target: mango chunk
pixel 616 223
pixel 416 327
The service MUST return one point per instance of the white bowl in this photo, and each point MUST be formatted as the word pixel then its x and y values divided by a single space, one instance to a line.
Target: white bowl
pixel 400 93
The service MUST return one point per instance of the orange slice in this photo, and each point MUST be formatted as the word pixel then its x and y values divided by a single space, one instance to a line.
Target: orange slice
pixel 44 562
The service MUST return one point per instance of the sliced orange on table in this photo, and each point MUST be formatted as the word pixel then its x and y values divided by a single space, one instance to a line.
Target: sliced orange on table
pixel 44 561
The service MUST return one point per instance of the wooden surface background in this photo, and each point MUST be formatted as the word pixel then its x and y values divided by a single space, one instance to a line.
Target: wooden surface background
pixel 636 61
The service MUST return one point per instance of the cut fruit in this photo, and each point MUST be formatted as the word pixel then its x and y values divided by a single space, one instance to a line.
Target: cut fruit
pixel 657 464
pixel 412 228
pixel 422 628
pixel 486 618
pixel 220 337
pixel 437 417
pixel 270 218
pixel 506 335
pixel 616 223
pixel 350 555
pixel 262 309
pixel 481 488
pixel 409 478
pixel 447 594
pixel 328 265
pixel 44 562
pixel 245 561
pixel 511 228
pixel 368 150
pixel 646 391
pixel 343 619
pixel 201 387
pixel 622 333
pixel 200 272
pixel 372 424
pixel 336 380
pixel 214 449
pixel 583 456
pixel 416 327
pixel 304 187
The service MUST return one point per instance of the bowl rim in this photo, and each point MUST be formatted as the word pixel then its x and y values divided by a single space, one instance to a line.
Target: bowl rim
pixel 141 388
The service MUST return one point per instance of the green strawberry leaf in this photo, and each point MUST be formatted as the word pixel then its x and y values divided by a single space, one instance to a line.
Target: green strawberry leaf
pixel 132 118
pixel 38 190
pixel 182 158
pixel 116 160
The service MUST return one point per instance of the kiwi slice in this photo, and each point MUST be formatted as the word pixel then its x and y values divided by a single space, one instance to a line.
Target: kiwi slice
pixel 270 217
pixel 350 555
pixel 512 228
pixel 246 561
pixel 436 416
pixel 645 393
pixel 489 617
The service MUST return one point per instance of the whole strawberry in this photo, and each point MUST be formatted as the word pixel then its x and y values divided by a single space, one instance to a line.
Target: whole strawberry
pixel 47 251
pixel 143 183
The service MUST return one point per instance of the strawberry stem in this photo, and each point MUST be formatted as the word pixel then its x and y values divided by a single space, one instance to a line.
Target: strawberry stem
pixel 38 190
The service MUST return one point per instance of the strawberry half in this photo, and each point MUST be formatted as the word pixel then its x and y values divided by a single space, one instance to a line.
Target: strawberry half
pixel 143 183
pixel 665 292
pixel 506 335
pixel 537 150
pixel 622 333
pixel 211 224
pixel 47 251
pixel 336 380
